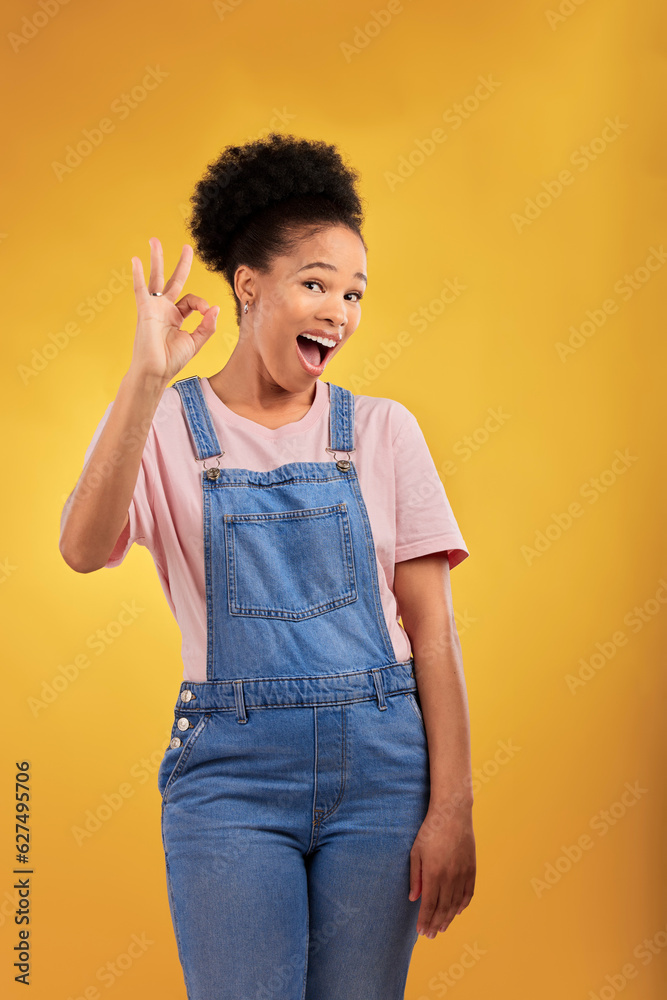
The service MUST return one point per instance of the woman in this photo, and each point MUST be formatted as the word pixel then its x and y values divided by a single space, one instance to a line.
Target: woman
pixel 307 803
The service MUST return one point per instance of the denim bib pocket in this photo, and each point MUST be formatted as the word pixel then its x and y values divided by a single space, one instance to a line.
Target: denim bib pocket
pixel 290 565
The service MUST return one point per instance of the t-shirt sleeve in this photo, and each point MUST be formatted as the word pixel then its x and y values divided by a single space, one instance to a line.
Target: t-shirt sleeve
pixel 425 522
pixel 141 525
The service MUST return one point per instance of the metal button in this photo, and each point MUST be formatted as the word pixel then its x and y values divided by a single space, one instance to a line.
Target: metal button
pixel 212 473
pixel 183 723
pixel 343 465
pixel 187 695
pixel 175 743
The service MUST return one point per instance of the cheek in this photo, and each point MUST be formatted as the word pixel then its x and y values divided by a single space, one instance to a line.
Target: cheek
pixel 353 321
pixel 274 303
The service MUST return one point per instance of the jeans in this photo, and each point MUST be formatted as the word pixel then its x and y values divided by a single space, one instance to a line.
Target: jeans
pixel 287 841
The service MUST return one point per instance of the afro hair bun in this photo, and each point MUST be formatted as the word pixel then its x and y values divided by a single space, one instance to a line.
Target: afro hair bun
pixel 252 198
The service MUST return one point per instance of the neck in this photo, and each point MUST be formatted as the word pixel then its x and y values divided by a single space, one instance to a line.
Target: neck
pixel 247 388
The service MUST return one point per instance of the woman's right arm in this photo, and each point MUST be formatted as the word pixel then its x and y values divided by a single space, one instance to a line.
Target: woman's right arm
pixel 97 509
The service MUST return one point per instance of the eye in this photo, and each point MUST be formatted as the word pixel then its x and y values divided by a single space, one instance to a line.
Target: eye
pixel 313 281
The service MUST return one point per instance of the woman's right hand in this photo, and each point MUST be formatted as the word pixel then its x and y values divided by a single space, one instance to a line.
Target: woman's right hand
pixel 161 349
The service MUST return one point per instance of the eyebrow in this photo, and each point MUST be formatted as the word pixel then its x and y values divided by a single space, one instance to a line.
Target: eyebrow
pixel 330 267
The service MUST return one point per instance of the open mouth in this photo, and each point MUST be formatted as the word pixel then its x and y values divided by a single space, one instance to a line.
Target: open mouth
pixel 312 354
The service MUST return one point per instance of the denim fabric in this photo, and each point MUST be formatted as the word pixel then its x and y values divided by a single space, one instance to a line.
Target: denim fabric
pixel 297 775
pixel 256 542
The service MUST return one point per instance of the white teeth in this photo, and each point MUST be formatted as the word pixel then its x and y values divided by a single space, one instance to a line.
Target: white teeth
pixel 320 340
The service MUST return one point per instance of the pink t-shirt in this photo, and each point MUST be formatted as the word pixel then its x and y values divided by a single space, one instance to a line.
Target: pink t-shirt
pixel 408 509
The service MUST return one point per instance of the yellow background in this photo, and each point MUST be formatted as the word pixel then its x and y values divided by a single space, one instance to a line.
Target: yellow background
pixel 233 73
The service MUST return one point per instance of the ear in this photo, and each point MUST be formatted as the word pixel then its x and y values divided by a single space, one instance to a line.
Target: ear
pixel 244 283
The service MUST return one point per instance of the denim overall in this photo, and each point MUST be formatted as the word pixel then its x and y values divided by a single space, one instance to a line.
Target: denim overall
pixel 297 775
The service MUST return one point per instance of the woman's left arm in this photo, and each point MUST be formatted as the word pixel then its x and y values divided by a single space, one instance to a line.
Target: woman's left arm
pixel 442 859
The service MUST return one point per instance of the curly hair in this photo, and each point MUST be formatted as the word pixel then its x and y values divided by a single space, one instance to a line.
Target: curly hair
pixel 257 201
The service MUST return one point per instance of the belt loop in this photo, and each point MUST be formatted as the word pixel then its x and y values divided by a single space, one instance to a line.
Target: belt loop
pixel 241 715
pixel 377 677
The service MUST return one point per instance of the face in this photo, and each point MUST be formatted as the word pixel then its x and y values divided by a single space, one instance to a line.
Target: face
pixel 315 290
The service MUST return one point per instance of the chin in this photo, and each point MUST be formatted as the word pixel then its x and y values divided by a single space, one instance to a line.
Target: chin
pixel 291 381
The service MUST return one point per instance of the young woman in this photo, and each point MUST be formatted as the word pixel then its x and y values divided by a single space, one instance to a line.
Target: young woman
pixel 318 780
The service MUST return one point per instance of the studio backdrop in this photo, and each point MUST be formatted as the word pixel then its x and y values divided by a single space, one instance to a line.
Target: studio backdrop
pixel 512 160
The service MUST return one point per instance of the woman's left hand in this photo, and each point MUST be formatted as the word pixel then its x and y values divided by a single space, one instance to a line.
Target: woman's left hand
pixel 442 867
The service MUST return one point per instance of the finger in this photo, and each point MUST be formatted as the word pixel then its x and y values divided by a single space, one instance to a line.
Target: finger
pixel 468 894
pixel 415 877
pixel 192 303
pixel 156 280
pixel 428 907
pixel 443 922
pixel 173 287
pixel 206 328
pixel 443 913
pixel 459 902
pixel 138 280
pixel 450 893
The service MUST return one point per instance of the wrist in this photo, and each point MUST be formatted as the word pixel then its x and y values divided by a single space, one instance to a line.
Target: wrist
pixel 449 800
pixel 145 382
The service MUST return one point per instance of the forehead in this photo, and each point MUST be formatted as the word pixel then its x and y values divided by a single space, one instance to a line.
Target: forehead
pixel 336 249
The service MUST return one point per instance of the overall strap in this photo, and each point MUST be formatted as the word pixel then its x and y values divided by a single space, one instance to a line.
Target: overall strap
pixel 197 414
pixel 205 440
pixel 341 418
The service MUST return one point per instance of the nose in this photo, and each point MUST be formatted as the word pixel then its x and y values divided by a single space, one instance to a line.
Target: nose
pixel 337 316
pixel 335 312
